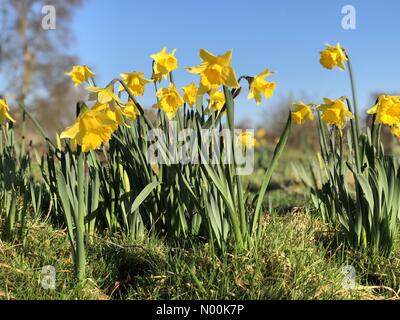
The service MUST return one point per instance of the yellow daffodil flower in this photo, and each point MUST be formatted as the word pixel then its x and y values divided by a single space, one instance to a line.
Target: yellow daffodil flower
pixel 215 71
pixel 387 110
pixel 246 139
pixel 80 74
pixel 190 94
pixel 135 81
pixel 261 134
pixel 216 101
pixel 261 138
pixel 259 85
pixel 302 113
pixel 131 111
pixel 119 116
pixel 91 129
pixel 164 63
pixel 333 57
pixel 334 112
pixel 169 100
pixel 103 95
pixel 4 112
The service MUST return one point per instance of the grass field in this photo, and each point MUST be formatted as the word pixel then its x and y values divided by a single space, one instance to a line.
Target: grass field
pixel 298 258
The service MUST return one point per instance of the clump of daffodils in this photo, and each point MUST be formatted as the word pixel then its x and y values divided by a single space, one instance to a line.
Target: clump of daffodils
pixel 95 126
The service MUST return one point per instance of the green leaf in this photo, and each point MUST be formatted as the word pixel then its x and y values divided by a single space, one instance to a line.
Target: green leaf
pixel 143 196
pixel 267 178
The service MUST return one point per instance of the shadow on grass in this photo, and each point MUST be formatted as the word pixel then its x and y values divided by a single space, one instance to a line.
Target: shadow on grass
pixel 126 265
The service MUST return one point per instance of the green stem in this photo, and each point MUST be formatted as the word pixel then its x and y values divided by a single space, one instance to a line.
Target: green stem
pixel 322 137
pixel 23 130
pixel 341 153
pixel 255 229
pixel 38 126
pixel 353 92
pixel 93 82
pixel 80 227
pixel 234 169
pixel 354 136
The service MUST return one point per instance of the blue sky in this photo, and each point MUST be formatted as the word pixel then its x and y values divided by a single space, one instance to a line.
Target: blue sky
pixel 284 36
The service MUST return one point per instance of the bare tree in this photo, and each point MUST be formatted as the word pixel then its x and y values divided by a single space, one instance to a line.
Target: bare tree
pixel 33 60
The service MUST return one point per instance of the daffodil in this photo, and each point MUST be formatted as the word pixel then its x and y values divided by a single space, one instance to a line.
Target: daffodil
pixel 246 139
pixel 169 100
pixel 103 95
pixel 215 71
pixel 335 112
pixel 164 63
pixel 119 116
pixel 387 110
pixel 4 112
pixel 217 100
pixel 131 111
pixel 80 74
pixel 333 57
pixel 261 138
pixel 259 85
pixel 302 113
pixel 190 94
pixel 261 134
pixel 91 129
pixel 136 83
